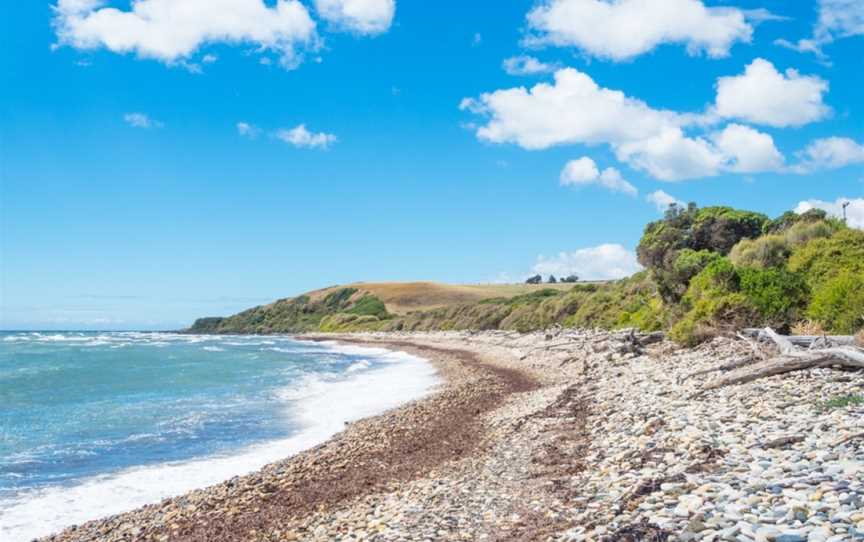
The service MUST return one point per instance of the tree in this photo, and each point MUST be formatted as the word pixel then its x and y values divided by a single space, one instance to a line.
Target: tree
pixel 536 279
pixel 552 279
pixel 570 278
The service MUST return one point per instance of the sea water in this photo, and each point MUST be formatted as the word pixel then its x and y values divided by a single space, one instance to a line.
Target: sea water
pixel 93 424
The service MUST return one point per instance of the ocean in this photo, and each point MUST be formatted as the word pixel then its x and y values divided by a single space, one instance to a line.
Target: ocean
pixel 93 424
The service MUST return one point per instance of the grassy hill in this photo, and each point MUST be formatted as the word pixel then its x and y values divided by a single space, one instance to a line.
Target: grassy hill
pixel 402 298
pixel 364 305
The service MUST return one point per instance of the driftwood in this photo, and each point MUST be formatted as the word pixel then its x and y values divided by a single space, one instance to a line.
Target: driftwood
pixel 734 364
pixel 805 340
pixel 791 359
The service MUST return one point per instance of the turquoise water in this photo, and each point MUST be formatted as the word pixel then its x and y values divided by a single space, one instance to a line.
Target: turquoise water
pixel 94 423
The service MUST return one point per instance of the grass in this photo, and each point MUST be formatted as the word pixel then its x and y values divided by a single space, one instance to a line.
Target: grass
pixel 405 297
pixel 840 401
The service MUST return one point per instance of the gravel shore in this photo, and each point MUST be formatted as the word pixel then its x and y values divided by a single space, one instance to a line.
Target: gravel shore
pixel 563 435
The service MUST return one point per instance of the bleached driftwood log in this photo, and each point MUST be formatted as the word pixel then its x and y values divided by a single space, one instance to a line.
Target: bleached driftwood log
pixel 791 359
pixel 804 340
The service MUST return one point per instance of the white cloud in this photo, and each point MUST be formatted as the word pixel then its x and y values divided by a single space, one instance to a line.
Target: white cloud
pixel 747 150
pixel 209 59
pixel 248 130
pixel 607 261
pixel 477 39
pixel 300 137
pixel 575 110
pixel 141 120
pixel 837 19
pixel 361 16
pixel 672 156
pixel 172 31
pixel 584 171
pixel 624 29
pixel 763 95
pixel 830 153
pixel 572 110
pixel 854 209
pixel 662 200
pixel 526 65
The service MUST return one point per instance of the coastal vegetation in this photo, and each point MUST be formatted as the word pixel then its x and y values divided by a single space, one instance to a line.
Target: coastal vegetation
pixel 707 271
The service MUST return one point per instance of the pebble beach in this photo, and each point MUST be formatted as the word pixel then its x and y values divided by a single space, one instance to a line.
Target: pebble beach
pixel 561 435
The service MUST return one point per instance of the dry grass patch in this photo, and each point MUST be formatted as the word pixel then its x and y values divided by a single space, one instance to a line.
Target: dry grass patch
pixel 404 297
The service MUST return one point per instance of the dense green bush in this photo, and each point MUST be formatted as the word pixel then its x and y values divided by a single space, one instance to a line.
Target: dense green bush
pixel 368 305
pixel 779 295
pixel 708 230
pixel 838 304
pixel 823 259
pixel 724 297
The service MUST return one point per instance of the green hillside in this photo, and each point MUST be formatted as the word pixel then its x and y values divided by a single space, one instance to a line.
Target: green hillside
pixel 707 271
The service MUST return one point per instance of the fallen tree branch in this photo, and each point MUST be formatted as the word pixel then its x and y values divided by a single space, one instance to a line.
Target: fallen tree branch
pixel 791 359
pixel 803 340
pixel 735 364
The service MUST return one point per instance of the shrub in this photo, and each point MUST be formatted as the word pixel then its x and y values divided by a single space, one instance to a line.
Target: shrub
pixel 368 305
pixel 778 294
pixel 720 228
pixel 790 218
pixel 712 229
pixel 804 232
pixel 690 263
pixel 765 251
pixel 821 260
pixel 711 316
pixel 838 304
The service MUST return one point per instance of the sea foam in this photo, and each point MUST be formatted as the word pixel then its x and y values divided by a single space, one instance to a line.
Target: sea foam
pixel 320 405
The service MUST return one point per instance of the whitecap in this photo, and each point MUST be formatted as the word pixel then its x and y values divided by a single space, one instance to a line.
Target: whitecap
pixel 320 405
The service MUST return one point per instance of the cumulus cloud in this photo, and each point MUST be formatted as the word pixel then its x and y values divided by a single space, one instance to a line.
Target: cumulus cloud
pixel 575 110
pixel 837 19
pixel 584 172
pixel 854 209
pixel 361 16
pixel 172 31
pixel 747 150
pixel 763 95
pixel 300 137
pixel 670 155
pixel 623 29
pixel 141 120
pixel 662 200
pixel 607 261
pixel 248 130
pixel 830 153
pixel 526 65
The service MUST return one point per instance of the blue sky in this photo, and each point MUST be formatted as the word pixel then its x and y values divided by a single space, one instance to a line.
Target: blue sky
pixel 173 159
